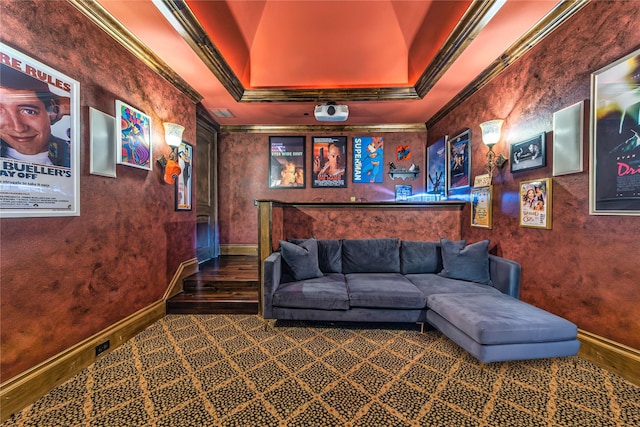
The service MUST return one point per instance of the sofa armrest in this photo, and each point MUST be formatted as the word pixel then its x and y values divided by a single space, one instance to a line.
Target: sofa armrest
pixel 505 275
pixel 272 272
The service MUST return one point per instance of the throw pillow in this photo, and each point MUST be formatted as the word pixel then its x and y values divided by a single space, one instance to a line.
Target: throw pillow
pixel 302 259
pixel 419 257
pixel 329 254
pixel 466 262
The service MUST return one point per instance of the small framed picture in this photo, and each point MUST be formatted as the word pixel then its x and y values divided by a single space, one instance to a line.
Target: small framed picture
pixel 529 154
pixel 134 137
pixel 183 181
pixel 287 162
pixel 403 193
pixel 481 200
pixel 535 203
pixel 459 161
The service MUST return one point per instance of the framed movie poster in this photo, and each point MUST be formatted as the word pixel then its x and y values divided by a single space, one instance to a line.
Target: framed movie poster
pixel 614 176
pixel 481 213
pixel 529 154
pixel 287 162
pixel 40 145
pixel 436 163
pixel 329 162
pixel 134 137
pixel 183 181
pixel 535 203
pixel 459 160
pixel 368 159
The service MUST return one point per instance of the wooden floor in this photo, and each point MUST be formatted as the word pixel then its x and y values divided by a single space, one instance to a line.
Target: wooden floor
pixel 228 284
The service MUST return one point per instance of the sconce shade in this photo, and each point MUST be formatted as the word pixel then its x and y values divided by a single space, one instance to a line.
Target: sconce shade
pixel 173 134
pixel 491 131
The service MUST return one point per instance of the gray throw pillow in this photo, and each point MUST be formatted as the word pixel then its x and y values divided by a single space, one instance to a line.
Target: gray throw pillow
pixel 329 254
pixel 466 262
pixel 302 259
pixel 419 257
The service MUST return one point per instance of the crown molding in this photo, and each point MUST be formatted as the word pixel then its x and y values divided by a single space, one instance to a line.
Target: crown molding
pixel 273 129
pixel 556 17
pixel 105 21
pixel 472 22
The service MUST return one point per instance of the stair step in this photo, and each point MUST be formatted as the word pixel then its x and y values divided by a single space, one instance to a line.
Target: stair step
pixel 193 284
pixel 225 285
pixel 234 301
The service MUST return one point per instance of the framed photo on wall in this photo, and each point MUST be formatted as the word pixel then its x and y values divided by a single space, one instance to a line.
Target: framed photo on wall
pixel 535 203
pixel 436 168
pixel 368 159
pixel 614 175
pixel 183 181
pixel 287 162
pixel 134 136
pixel 329 162
pixel 481 212
pixel 529 154
pixel 40 146
pixel 459 161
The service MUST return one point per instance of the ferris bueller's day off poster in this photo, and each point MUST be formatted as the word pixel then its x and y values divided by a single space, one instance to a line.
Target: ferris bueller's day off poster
pixel 39 132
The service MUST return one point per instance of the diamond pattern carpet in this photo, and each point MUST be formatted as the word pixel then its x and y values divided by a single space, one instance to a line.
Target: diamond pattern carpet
pixel 228 370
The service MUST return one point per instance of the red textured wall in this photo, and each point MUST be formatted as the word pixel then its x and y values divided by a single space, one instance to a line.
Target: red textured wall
pixel 64 279
pixel 367 221
pixel 586 268
pixel 244 171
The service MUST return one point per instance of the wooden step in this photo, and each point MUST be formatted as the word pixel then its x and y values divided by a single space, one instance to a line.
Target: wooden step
pixel 216 302
pixel 225 285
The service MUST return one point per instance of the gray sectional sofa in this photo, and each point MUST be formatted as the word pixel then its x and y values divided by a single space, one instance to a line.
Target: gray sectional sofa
pixel 462 290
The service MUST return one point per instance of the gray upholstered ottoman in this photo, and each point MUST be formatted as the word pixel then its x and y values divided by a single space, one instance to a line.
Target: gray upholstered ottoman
pixel 497 327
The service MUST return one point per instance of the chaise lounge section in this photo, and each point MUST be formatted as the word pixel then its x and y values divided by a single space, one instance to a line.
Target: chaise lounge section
pixel 462 290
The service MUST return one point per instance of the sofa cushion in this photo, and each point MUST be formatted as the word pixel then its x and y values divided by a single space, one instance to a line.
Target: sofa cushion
pixel 419 257
pixel 302 259
pixel 383 290
pixel 329 254
pixel 466 262
pixel 328 292
pixel 432 284
pixel 370 256
pixel 500 319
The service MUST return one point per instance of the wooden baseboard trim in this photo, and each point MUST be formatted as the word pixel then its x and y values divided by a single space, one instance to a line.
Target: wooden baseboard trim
pixel 34 383
pixel 238 249
pixel 187 268
pixel 610 355
pixel 26 388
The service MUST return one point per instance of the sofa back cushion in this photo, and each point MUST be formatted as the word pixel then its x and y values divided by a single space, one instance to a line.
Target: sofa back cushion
pixel 466 262
pixel 370 256
pixel 420 257
pixel 329 254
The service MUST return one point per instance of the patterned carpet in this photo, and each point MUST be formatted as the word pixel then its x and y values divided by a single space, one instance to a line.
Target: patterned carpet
pixel 227 370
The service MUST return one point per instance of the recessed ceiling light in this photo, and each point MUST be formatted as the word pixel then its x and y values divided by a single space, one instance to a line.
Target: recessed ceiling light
pixel 221 112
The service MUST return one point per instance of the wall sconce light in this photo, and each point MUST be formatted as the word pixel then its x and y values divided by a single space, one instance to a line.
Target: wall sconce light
pixel 170 166
pixel 173 134
pixel 490 137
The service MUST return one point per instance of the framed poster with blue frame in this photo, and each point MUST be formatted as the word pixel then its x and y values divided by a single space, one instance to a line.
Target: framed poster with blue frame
pixel 368 159
pixel 459 161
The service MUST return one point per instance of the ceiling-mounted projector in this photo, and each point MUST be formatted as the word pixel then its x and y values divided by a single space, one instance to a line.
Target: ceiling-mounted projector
pixel 331 112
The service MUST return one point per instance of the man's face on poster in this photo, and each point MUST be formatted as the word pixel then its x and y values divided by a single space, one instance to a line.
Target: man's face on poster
pixel 24 121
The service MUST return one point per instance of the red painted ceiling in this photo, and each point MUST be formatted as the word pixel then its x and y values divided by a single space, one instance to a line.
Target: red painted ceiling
pixel 276 44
